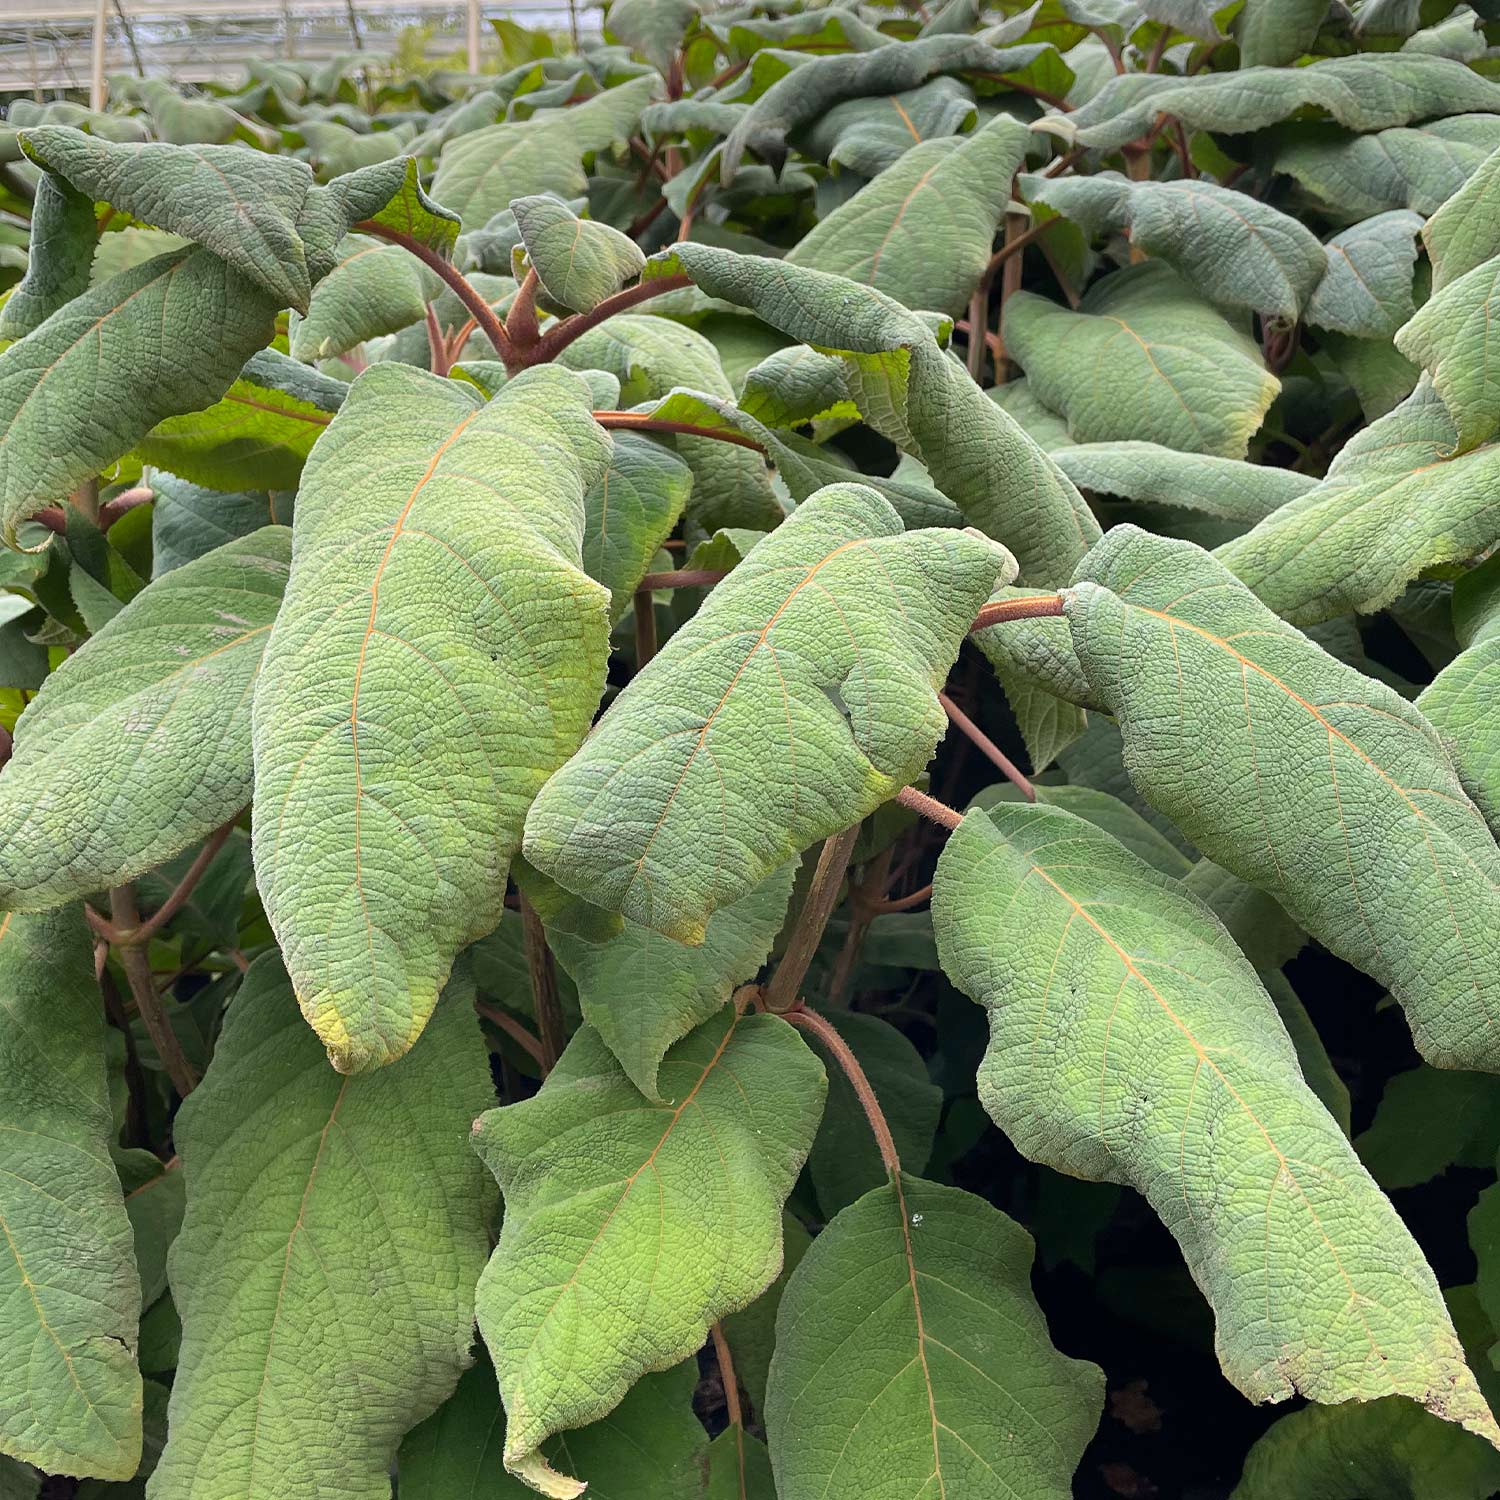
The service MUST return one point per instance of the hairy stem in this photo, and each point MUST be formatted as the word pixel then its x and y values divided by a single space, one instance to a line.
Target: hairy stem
pixel 521 325
pixel 863 896
pixel 997 757
pixel 184 888
pixel 929 807
pixel 727 1377
pixel 437 346
pixel 549 1016
pixel 1034 607
pixel 126 918
pixel 683 578
pixel 822 897
pixel 483 315
pixel 814 1024
pixel 558 337
pixel 631 421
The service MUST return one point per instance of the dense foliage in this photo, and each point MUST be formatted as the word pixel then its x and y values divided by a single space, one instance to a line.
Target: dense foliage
pixel 527 597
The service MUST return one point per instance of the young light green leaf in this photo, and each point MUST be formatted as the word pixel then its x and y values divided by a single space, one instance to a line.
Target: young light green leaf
pixel 1367 289
pixel 139 743
pixel 326 1266
pixel 912 1359
pixel 97 376
pixel 641 991
pixel 922 231
pixel 375 288
pixel 393 737
pixel 1301 775
pixel 258 433
pixel 794 385
pixel 650 1447
pixel 70 1402
pixel 578 262
pixel 1143 357
pixel 600 1185
pixel 1395 501
pixel 1130 1041
pixel 1227 488
pixel 629 512
pixel 1454 339
pixel 823 649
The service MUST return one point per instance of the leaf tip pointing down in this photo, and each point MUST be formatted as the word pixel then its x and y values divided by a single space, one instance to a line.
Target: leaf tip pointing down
pixel 542 1477
pixel 351 1053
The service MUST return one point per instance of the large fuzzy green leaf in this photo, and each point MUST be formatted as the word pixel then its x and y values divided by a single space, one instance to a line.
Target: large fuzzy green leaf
pixel 641 991
pixel 1130 1041
pixel 1143 357
pixel 326 1267
pixel 189 520
pixel 70 1297
pixel 60 257
pixel 578 262
pixel 1236 250
pixel 1364 92
pixel 1361 175
pixel 376 287
pixel 439 653
pixel 258 433
pixel 820 653
pixel 1395 501
pixel 139 743
pixel 650 1447
pixel 97 376
pixel 1462 234
pixel 911 1359
pixel 1272 33
pixel 1366 290
pixel 1301 775
pixel 1454 338
pixel 478 174
pixel 868 135
pixel 922 231
pixel 601 1186
pixel 908 388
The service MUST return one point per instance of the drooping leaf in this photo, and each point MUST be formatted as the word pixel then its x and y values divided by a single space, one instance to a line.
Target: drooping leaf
pixel 189 520
pixel 897 1349
pixel 392 736
pixel 96 376
pixel 375 288
pixel 629 512
pixel 641 991
pixel 139 743
pixel 1130 1041
pixel 578 262
pixel 1226 488
pixel 844 1163
pixel 70 1402
pixel 600 1185
pixel 654 28
pixel 1367 289
pixel 61 252
pixel 1143 357
pixel 665 814
pixel 907 388
pixel 650 1445
pixel 1301 775
pixel 326 1266
pixel 922 231
pixel 1396 500
pixel 258 433
pixel 870 134
pixel 1272 33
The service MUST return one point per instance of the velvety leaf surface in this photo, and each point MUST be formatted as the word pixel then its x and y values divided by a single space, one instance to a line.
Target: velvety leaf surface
pixel 326 1267
pixel 921 232
pixel 1462 234
pixel 375 288
pixel 578 262
pixel 1302 776
pixel 1366 290
pixel 1396 500
pixel 601 1186
pixel 868 135
pixel 751 1332
pixel 393 738
pixel 258 433
pixel 1143 357
pixel 1130 1041
pixel 60 257
pixel 912 1359
pixel 70 1298
pixel 796 659
pixel 96 377
pixel 189 520
pixel 139 743
pixel 641 991
pixel 650 1447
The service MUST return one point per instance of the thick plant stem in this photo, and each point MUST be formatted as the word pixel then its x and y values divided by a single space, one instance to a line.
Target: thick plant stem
pixel 644 613
pixel 521 325
pixel 558 337
pixel 126 918
pixel 814 1024
pixel 521 1035
pixel 1037 607
pixel 863 897
pixel 633 421
pixel 904 903
pixel 482 313
pixel 929 807
pixel 683 578
pixel 822 897
pixel 727 1376
pixel 997 757
pixel 549 1016
pixel 437 345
